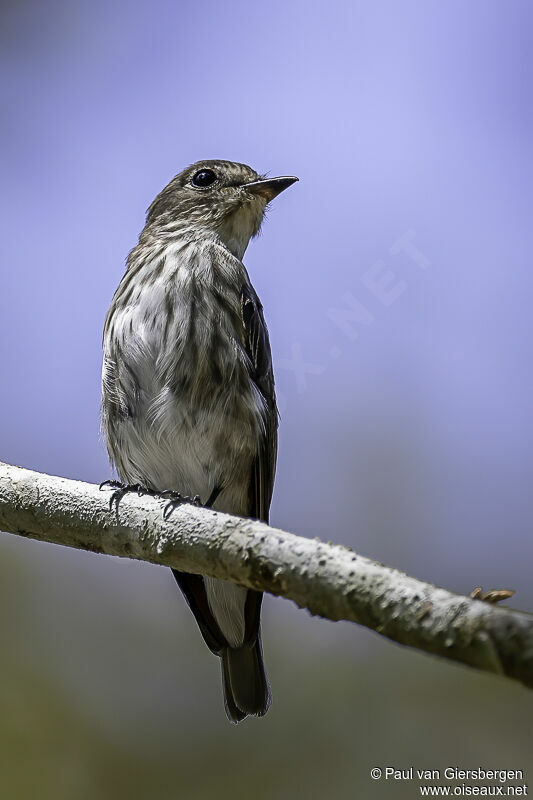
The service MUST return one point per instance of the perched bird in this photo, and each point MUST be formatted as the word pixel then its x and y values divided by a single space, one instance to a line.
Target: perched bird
pixel 188 399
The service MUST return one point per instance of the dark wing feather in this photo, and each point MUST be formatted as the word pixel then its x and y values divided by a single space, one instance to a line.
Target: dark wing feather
pixel 246 689
pixel 257 346
pixel 193 588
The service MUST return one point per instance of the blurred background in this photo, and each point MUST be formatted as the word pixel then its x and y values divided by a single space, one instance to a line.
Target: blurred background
pixel 396 279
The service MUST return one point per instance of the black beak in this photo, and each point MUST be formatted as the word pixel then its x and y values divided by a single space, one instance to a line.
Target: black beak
pixel 269 188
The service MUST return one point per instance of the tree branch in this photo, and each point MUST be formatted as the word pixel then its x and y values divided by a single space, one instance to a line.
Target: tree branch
pixel 330 580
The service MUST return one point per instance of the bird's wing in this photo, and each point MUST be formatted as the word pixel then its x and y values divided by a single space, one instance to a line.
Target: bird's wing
pixel 257 347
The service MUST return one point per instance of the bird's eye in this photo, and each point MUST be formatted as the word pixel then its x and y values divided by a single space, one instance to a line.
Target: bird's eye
pixel 203 178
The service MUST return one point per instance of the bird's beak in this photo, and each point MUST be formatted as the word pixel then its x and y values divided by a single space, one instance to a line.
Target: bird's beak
pixel 269 188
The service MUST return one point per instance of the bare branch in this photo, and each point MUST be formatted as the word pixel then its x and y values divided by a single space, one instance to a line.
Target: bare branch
pixel 330 580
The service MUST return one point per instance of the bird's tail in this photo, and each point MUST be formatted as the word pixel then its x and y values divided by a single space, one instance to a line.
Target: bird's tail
pixel 246 688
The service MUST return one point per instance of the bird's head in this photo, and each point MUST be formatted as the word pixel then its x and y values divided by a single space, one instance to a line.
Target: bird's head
pixel 220 197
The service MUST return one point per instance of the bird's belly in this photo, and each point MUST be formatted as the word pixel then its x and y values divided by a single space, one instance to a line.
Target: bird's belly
pixel 190 418
pixel 194 452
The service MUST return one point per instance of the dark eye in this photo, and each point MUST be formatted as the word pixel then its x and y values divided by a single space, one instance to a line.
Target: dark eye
pixel 203 178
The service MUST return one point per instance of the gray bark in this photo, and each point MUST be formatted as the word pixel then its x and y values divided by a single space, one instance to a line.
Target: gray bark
pixel 330 580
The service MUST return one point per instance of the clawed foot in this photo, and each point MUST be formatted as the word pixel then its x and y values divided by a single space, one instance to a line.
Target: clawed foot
pixel 124 488
pixel 176 499
pixel 493 596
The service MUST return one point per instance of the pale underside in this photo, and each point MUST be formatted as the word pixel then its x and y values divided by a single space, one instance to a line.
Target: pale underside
pixel 171 425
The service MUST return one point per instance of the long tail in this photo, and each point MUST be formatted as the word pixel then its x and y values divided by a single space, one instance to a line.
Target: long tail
pixel 246 688
pixel 244 680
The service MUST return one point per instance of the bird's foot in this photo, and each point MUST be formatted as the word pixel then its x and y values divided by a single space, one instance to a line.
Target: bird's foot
pixel 493 596
pixel 176 499
pixel 120 489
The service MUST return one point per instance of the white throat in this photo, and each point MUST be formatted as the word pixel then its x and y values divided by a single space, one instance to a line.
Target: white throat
pixel 236 230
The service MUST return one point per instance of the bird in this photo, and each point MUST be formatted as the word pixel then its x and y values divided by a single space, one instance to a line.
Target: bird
pixel 188 397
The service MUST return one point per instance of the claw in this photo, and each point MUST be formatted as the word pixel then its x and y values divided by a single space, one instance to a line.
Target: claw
pixel 177 499
pixel 116 497
pixel 110 483
pixel 168 493
pixel 123 488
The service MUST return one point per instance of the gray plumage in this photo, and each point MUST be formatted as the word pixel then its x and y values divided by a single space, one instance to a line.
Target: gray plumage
pixel 188 399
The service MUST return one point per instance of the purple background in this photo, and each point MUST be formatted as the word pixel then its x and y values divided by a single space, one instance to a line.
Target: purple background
pixel 406 435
